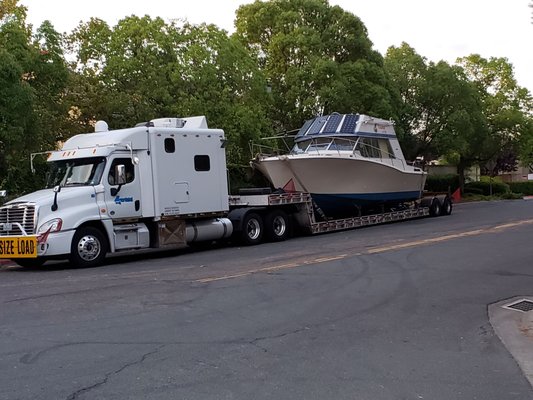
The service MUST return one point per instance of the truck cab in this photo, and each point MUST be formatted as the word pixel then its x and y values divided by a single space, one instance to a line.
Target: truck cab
pixel 159 184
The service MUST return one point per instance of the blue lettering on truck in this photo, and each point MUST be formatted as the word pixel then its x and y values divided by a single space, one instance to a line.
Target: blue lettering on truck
pixel 120 200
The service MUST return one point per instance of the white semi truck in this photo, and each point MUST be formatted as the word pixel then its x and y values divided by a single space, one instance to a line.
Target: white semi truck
pixel 161 184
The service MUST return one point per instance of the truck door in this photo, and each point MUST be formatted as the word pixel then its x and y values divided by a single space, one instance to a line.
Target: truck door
pixel 123 200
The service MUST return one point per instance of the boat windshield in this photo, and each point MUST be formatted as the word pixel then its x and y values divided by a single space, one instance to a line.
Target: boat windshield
pixel 362 146
pixel 76 172
pixel 324 143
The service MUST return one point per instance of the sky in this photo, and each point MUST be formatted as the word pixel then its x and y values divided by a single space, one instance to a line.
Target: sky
pixel 437 30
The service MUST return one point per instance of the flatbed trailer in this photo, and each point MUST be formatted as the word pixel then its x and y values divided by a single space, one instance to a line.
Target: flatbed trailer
pixel 274 216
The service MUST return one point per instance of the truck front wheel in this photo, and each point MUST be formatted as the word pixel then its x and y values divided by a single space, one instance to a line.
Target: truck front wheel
pixel 89 247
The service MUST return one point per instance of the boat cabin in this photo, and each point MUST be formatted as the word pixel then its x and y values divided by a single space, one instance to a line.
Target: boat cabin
pixel 356 134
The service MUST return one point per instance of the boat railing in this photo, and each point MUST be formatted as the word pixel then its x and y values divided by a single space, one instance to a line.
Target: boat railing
pixel 350 145
pixel 265 149
pixel 320 145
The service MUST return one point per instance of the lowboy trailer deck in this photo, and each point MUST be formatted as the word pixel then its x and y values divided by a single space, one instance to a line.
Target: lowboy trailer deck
pixel 272 216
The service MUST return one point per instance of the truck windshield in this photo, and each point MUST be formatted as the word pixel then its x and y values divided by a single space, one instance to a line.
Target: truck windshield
pixel 76 172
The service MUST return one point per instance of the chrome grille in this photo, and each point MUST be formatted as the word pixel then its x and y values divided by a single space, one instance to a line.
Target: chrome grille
pixel 17 219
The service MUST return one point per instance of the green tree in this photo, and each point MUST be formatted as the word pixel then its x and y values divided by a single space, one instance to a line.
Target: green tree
pixel 17 124
pixel 121 73
pixel 18 130
pixel 317 58
pixel 32 79
pixel 86 97
pixel 507 107
pixel 145 68
pixel 440 112
pixel 408 70
pixel 526 145
pixel 217 77
pixel 50 80
pixel 10 9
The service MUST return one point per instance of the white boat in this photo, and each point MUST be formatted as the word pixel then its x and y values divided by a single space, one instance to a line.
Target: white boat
pixel 348 162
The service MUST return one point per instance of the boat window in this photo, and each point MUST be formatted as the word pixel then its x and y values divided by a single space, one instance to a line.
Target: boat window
pixel 368 147
pixel 342 144
pixel 386 149
pixel 319 144
pixel 375 148
pixel 300 147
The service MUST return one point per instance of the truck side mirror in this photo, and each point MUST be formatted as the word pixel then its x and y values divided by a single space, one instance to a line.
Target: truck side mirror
pixel 120 174
pixel 56 190
pixel 120 178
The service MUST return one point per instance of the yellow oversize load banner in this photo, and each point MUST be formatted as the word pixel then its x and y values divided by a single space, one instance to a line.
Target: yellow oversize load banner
pixel 18 247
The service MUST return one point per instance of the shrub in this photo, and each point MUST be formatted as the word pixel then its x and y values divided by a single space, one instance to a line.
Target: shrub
pixel 442 183
pixel 522 187
pixel 497 187
pixel 473 190
pixel 512 196
pixel 476 197
pixel 488 179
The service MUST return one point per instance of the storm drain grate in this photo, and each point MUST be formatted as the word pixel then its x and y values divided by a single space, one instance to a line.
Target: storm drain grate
pixel 521 305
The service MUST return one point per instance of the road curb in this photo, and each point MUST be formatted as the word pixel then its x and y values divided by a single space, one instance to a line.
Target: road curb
pixel 515 330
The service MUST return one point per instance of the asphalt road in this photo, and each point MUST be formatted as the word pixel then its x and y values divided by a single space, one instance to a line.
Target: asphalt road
pixel 390 312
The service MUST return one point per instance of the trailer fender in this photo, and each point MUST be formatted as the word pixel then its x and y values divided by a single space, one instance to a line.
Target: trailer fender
pixel 237 216
pixel 426 202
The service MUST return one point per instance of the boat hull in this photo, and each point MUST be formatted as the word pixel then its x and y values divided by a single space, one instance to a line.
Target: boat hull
pixel 342 185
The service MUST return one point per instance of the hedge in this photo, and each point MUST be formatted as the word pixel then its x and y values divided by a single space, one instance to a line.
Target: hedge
pixel 476 187
pixel 441 183
pixel 473 190
pixel 522 187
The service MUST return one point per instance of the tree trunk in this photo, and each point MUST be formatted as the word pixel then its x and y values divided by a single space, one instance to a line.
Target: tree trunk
pixel 461 172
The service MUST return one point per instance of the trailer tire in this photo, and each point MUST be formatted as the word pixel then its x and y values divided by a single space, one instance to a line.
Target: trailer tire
pixel 252 229
pixel 89 247
pixel 435 208
pixel 277 226
pixel 446 206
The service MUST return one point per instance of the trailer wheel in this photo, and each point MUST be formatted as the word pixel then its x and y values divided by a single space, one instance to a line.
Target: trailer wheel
pixel 252 229
pixel 277 226
pixel 88 248
pixel 434 209
pixel 446 207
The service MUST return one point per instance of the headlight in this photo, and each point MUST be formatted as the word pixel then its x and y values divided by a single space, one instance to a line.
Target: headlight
pixel 54 225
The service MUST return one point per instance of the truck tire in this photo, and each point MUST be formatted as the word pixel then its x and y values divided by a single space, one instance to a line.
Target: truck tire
pixel 277 226
pixel 252 229
pixel 434 209
pixel 446 206
pixel 89 247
